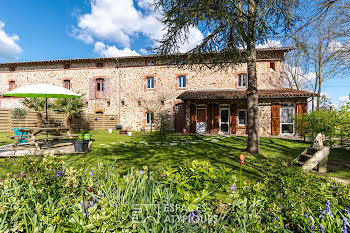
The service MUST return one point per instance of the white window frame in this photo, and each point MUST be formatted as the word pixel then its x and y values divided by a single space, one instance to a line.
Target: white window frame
pixel 240 80
pixel 148 116
pixel 181 81
pixel 245 120
pixel 228 123
pixel 151 84
pixel 285 106
pixel 151 63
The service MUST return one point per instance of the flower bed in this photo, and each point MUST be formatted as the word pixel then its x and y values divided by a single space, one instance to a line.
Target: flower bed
pixel 195 197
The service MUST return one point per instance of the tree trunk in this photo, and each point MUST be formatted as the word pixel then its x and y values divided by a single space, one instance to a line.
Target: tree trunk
pixel 252 91
pixel 318 95
pixel 39 120
pixel 69 123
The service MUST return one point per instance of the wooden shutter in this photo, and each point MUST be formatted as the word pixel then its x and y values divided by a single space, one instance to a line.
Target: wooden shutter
pixel 216 115
pixel 302 108
pixel 210 118
pixel 275 118
pixel 233 118
pixel 192 118
pixel 107 88
pixel 91 89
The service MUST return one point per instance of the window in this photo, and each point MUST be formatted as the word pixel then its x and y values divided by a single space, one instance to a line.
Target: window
pixel 181 81
pixel 108 103
pixel 100 84
pixel 12 85
pixel 242 117
pixel 67 66
pixel 100 64
pixel 162 102
pixel 150 83
pixel 149 118
pixel 242 80
pixel 151 63
pixel 123 103
pixel 66 84
pixel 139 103
pixel 12 68
pixel 287 123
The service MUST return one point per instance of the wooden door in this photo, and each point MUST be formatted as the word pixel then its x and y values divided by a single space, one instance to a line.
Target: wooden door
pixel 201 122
pixel 179 118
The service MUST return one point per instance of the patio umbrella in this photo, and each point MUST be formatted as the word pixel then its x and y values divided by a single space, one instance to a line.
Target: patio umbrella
pixel 42 91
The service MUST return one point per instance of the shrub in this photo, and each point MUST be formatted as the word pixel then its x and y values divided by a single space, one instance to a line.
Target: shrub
pixel 196 197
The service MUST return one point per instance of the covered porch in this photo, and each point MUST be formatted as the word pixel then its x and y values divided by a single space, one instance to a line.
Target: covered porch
pixel 225 111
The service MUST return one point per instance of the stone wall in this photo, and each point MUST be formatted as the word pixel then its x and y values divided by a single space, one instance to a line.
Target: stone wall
pixel 127 83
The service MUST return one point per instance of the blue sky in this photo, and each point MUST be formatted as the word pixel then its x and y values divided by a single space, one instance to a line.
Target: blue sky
pixel 61 29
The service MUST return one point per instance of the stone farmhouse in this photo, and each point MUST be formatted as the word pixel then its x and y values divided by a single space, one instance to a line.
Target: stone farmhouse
pixel 197 101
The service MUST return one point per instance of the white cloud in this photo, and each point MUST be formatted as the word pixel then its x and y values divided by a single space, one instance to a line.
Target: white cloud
pixel 344 98
pixel 112 51
pixel 195 37
pixel 119 21
pixel 9 49
pixel 269 44
pixel 143 51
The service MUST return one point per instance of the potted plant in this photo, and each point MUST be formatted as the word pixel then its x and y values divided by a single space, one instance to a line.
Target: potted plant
pixel 87 135
pixel 81 145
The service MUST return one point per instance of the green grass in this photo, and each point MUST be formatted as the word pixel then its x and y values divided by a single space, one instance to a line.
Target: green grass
pixel 155 151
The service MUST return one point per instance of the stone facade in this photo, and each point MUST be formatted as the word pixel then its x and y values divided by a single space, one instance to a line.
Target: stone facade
pixel 127 93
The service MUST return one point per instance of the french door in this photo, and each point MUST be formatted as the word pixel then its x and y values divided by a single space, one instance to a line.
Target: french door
pixel 224 119
pixel 287 119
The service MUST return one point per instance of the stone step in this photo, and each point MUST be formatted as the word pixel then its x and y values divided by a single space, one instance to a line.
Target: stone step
pixel 299 163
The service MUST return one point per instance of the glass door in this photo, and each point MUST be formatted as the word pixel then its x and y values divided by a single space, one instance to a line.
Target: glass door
pixel 224 119
pixel 287 120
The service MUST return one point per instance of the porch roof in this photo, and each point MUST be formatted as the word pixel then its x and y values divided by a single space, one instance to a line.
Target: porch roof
pixel 232 94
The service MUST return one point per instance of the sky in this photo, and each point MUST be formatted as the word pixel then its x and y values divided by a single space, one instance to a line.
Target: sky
pixel 64 29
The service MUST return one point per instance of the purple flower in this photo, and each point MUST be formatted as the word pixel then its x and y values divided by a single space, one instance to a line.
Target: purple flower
pixel 204 168
pixel 91 173
pixel 322 230
pixel 163 174
pixel 59 173
pixel 347 210
pixel 142 172
pixel 345 221
pixel 279 221
pixel 312 228
pixel 84 214
pixel 344 229
pixel 233 187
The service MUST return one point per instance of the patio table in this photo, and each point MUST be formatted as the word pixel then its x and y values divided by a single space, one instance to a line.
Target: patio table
pixel 34 132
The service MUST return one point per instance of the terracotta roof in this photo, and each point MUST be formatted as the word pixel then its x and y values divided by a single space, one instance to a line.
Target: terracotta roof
pixel 286 49
pixel 224 94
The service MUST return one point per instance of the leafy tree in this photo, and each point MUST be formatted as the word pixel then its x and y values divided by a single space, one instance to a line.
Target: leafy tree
pixel 70 107
pixel 38 105
pixel 232 28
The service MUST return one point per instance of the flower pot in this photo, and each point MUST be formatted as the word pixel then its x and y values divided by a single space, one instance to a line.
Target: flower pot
pixel 81 146
pixel 110 130
pixel 130 133
pixel 87 136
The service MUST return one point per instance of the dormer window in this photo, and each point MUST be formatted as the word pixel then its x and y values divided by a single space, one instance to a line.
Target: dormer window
pixel 151 62
pixel 67 66
pixel 100 64
pixel 242 80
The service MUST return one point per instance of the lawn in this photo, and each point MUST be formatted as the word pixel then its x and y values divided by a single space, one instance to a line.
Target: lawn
pixel 159 151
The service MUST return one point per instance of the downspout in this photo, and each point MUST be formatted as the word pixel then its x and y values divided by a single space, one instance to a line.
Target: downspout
pixel 119 88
